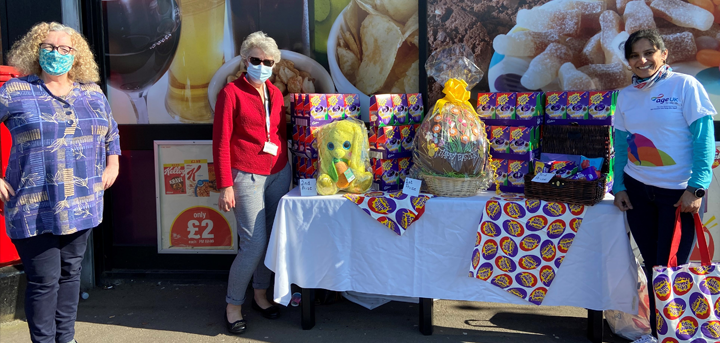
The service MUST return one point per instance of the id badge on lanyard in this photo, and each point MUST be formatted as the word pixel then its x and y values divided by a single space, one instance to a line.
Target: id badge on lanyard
pixel 270 147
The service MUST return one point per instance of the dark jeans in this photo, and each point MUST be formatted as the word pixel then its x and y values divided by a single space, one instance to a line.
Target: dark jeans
pixel 52 268
pixel 652 222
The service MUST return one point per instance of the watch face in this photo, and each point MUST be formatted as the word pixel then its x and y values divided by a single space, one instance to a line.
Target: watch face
pixel 699 193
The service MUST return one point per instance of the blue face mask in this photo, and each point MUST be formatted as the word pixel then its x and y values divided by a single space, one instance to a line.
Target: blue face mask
pixel 259 73
pixel 55 64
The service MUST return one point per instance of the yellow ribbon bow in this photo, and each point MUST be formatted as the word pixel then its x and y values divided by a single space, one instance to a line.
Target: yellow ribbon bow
pixel 456 91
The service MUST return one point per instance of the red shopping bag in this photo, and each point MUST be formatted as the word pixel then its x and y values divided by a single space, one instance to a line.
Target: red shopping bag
pixel 687 297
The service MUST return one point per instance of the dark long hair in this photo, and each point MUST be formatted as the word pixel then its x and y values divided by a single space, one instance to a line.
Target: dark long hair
pixel 651 35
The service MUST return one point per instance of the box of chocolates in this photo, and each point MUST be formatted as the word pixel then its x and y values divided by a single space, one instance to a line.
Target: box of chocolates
pixel 416 109
pixel 580 107
pixel 396 109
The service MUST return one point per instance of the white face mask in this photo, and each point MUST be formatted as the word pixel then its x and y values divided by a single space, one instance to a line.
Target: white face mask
pixel 259 73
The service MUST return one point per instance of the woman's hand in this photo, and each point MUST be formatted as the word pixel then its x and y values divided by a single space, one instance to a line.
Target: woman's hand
pixel 112 169
pixel 226 201
pixel 689 203
pixel 622 201
pixel 6 191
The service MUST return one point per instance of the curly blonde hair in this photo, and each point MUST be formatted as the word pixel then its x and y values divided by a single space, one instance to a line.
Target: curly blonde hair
pixel 25 53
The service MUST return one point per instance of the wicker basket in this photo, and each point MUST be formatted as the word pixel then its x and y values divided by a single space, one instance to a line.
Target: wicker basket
pixel 590 141
pixel 576 192
pixel 453 186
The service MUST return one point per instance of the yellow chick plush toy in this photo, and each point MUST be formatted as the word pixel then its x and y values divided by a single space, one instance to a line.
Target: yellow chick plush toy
pixel 343 158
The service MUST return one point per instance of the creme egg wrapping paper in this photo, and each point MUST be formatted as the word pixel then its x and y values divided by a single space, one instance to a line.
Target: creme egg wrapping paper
pixel 687 303
pixel 521 243
pixel 395 210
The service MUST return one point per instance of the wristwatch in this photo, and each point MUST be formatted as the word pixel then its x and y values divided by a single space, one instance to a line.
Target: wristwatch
pixel 698 192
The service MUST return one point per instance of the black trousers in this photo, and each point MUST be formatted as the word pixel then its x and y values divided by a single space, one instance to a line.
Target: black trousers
pixel 52 267
pixel 652 222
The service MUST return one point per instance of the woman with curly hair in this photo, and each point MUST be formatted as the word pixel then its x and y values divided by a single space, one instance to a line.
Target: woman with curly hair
pixel 64 156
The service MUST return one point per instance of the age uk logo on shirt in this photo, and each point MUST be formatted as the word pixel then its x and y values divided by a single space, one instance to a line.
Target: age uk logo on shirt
pixel 661 99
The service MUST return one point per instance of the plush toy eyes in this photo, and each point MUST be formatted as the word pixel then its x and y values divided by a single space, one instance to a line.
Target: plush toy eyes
pixel 331 146
pixel 346 145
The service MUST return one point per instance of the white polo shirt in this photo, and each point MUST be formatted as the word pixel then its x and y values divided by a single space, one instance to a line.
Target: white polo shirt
pixel 658 120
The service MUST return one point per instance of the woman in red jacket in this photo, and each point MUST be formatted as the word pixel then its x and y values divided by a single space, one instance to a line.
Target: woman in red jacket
pixel 251 170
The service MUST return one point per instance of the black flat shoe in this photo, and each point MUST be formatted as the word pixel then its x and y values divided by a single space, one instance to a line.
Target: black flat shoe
pixel 237 327
pixel 272 312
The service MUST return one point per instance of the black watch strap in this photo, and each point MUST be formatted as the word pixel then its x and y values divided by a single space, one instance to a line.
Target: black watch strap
pixel 697 192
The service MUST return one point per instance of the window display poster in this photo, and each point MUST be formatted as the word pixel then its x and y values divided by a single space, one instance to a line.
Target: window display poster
pixel 557 45
pixel 168 59
pixel 189 220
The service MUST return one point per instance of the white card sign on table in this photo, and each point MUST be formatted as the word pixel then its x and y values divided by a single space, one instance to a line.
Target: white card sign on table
pixel 308 187
pixel 412 187
pixel 543 177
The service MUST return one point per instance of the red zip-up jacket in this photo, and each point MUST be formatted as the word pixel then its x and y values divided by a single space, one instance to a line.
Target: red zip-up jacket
pixel 239 133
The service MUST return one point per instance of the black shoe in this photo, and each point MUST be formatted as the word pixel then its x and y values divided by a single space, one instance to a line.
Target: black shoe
pixel 272 312
pixel 237 327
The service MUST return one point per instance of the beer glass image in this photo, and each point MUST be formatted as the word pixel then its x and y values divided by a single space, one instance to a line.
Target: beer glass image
pixel 142 38
pixel 199 55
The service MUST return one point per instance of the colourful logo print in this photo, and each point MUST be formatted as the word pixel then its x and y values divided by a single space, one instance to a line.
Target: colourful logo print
pixel 537 296
pixel 505 264
pixel 529 242
pixel 536 223
pixel 662 287
pixel 532 206
pixel 489 249
pixel 529 262
pixel 556 229
pixel 490 229
pixel 576 210
pixel 485 271
pixel 674 309
pixel 670 340
pixel 503 281
pixel 575 224
pixel 711 329
pixel 547 275
pixel 513 228
pixel 390 224
pixel 716 308
pixel 699 306
pixel 547 251
pixel 514 210
pixel 518 292
pixel 355 198
pixel 382 205
pixel 565 243
pixel 526 279
pixel 710 285
pixel 404 217
pixel 662 327
pixel 478 238
pixel 559 261
pixel 475 259
pixel 398 195
pixel 702 270
pixel 508 246
pixel 419 203
pixel 493 210
pixel 686 328
pixel 682 283
pixel 554 209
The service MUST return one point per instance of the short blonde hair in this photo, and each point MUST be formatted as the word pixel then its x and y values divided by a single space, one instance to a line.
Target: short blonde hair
pixel 25 53
pixel 261 41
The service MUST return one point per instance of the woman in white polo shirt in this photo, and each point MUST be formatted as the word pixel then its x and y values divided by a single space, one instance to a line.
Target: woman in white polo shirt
pixel 664 148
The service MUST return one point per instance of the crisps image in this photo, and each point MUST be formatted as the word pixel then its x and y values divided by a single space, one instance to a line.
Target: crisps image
pixel 400 10
pixel 380 40
pixel 348 63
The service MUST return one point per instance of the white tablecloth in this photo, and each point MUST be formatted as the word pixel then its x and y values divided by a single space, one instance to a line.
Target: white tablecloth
pixel 330 243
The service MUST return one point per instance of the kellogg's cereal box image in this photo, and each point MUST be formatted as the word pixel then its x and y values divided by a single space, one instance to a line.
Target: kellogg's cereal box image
pixel 174 178
pixel 198 178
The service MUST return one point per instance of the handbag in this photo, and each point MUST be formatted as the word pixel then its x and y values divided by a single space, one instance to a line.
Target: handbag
pixel 687 297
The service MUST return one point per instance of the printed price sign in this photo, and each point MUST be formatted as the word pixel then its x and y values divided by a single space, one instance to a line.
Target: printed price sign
pixel 200 227
pixel 308 187
pixel 543 177
pixel 412 187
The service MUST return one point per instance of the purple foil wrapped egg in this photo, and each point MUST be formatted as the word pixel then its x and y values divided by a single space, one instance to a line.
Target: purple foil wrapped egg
pixel 686 328
pixel 548 251
pixel 711 329
pixel 547 275
pixel 525 279
pixel 489 249
pixel 529 242
pixel 529 262
pixel 508 246
pixel 699 305
pixel 503 281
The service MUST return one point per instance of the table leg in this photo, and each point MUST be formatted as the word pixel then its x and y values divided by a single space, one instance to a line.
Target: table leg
pixel 426 316
pixel 595 326
pixel 307 309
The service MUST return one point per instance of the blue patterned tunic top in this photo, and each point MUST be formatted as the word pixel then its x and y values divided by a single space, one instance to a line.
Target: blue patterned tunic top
pixel 58 155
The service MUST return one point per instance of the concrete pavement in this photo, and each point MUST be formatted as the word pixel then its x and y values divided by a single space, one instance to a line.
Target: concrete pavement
pixel 177 311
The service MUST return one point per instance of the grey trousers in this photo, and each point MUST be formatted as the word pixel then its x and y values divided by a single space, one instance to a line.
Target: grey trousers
pixel 256 200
